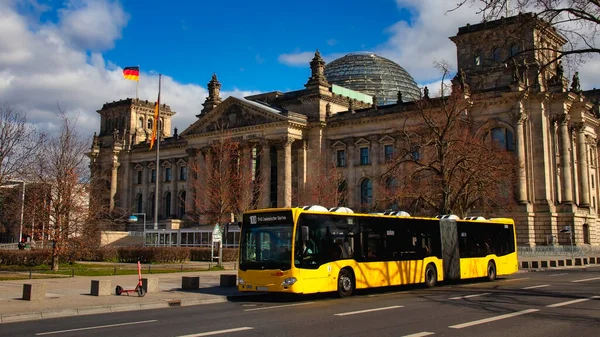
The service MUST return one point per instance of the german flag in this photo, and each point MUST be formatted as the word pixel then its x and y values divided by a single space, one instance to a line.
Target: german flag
pixel 131 73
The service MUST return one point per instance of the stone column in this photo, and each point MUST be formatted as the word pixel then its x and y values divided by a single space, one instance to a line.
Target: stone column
pixel 113 182
pixel 584 188
pixel 565 159
pixel 284 173
pixel 265 174
pixel 287 172
pixel 302 170
pixel 522 192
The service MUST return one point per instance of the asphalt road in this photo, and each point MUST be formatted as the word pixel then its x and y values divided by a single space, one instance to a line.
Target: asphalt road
pixel 559 303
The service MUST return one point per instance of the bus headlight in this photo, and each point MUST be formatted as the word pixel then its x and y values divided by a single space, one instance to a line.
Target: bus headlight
pixel 240 280
pixel 288 281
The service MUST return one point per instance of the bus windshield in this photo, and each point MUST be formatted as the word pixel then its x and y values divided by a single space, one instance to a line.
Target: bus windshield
pixel 266 241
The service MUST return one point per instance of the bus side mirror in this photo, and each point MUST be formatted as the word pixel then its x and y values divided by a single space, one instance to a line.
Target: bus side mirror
pixel 304 233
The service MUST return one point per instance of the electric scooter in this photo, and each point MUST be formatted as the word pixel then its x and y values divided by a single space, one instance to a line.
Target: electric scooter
pixel 138 288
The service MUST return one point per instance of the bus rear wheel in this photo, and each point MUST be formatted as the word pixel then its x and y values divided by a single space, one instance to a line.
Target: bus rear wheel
pixel 345 283
pixel 491 271
pixel 430 276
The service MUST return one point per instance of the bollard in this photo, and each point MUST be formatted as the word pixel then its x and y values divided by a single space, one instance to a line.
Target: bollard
pixel 149 271
pixel 34 292
pixel 72 272
pixel 182 268
pixel 30 274
pixel 115 272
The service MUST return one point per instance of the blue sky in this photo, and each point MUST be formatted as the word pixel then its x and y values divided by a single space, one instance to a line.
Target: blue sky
pixel 71 53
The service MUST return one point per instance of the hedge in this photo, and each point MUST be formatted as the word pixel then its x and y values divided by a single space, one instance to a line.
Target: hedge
pixel 36 257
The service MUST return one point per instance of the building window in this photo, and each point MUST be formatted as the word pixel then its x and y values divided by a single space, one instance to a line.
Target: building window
pixel 149 123
pixel 141 122
pixel 153 176
pixel 139 177
pixel 167 204
pixel 341 158
pixel 139 204
pixel 586 233
pixel 182 204
pixel 343 193
pixel 167 174
pixel 364 156
pixel 514 50
pixel 477 59
pixel 592 181
pixel 496 55
pixel 183 173
pixel 366 192
pixel 415 153
pixel 388 152
pixel 504 138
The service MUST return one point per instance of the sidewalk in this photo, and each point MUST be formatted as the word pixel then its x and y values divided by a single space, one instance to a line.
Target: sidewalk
pixel 70 296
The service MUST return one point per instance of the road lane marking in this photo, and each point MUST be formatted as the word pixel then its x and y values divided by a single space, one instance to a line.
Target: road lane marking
pixel 560 304
pixel 587 279
pixel 279 306
pixel 218 332
pixel 514 279
pixel 535 287
pixel 468 296
pixel 558 274
pixel 368 310
pixel 93 327
pixel 491 319
pixel 420 334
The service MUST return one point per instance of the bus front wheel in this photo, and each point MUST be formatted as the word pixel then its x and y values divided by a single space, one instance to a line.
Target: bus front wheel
pixel 430 276
pixel 491 271
pixel 345 283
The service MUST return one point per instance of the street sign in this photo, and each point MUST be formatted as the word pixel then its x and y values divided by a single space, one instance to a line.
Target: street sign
pixel 216 234
pixel 566 229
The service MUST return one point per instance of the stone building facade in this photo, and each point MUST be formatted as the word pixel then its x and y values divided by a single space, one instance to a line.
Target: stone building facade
pixel 547 120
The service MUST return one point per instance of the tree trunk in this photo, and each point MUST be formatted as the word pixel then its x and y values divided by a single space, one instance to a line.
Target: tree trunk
pixel 54 258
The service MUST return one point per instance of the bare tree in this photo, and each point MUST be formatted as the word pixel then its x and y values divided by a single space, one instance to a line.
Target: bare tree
pixel 444 164
pixel 576 20
pixel 224 180
pixel 17 140
pixel 61 168
pixel 324 185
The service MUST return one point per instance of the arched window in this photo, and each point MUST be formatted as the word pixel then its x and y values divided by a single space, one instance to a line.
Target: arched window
pixel 496 55
pixel 586 233
pixel 139 204
pixel 149 123
pixel 150 204
pixel 167 203
pixel 477 58
pixel 141 122
pixel 504 138
pixel 366 192
pixel 514 50
pixel 181 211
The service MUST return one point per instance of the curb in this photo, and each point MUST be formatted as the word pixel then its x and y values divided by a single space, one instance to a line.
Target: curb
pixel 105 309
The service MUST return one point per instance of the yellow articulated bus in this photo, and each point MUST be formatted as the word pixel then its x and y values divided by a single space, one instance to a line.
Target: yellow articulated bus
pixel 313 249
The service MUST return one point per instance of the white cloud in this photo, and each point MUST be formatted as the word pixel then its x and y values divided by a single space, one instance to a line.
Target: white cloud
pixel 296 59
pixel 51 65
pixel 92 24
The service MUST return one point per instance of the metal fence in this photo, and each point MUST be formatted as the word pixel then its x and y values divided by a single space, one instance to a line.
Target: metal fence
pixel 584 250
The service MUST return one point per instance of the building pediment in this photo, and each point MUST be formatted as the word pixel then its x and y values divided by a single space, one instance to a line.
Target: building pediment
pixel 235 113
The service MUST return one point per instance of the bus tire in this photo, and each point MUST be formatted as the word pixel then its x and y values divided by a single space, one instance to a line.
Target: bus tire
pixel 345 283
pixel 491 271
pixel 430 276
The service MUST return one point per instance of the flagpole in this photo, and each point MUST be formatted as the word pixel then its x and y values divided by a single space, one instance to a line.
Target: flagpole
pixel 137 85
pixel 157 158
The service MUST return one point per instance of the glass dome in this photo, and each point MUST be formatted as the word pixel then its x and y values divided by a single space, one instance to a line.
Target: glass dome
pixel 372 75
